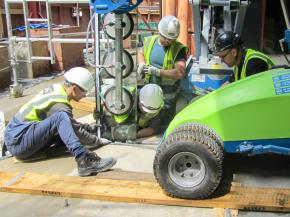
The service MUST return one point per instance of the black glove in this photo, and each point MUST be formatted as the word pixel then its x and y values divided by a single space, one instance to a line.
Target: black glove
pixel 97 115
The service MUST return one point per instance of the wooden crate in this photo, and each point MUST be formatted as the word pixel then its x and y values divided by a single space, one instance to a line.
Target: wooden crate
pixel 5 77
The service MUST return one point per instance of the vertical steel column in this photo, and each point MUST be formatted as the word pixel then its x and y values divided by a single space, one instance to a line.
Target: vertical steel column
pixel 205 33
pixel 197 27
pixel 27 29
pixel 49 31
pixel 119 61
pixel 240 17
pixel 227 19
pixel 16 88
pixel 97 69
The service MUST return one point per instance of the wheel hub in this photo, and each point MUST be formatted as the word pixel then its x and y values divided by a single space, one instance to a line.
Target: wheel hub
pixel 186 169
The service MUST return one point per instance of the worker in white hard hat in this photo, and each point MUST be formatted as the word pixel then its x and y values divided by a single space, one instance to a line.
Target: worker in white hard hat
pixel 150 103
pixel 47 120
pixel 162 61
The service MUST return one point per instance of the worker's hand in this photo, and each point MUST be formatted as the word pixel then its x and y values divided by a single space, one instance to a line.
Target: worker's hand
pixel 97 114
pixel 92 128
pixel 103 141
pixel 152 70
pixel 178 73
pixel 142 68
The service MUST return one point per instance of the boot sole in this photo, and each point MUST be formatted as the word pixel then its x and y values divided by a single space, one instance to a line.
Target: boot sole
pixel 96 171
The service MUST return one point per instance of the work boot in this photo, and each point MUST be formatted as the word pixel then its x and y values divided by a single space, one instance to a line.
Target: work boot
pixel 91 164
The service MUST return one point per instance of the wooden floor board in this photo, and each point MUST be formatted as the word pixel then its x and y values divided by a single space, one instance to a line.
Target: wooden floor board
pixel 136 191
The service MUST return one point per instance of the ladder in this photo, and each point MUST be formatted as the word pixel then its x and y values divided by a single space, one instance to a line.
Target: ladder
pixel 29 39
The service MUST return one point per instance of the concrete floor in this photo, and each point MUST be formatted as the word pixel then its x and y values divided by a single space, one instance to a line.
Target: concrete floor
pixel 263 171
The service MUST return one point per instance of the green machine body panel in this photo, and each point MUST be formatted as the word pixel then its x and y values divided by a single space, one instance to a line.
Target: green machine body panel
pixel 255 108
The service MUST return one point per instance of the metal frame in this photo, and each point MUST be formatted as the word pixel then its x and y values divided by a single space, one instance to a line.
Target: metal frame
pixel 201 33
pixel 16 88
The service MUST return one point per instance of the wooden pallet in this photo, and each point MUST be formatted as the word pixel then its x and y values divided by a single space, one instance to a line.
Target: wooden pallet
pixel 136 191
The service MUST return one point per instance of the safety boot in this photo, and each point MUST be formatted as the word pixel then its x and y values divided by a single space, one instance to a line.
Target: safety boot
pixel 91 164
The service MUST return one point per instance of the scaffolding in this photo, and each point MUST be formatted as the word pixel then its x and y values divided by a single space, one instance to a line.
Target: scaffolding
pixel 16 89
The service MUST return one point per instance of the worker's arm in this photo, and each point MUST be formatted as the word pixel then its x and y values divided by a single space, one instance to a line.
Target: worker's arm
pixel 145 132
pixel 140 56
pixel 176 73
pixel 151 129
pixel 86 137
pixel 255 66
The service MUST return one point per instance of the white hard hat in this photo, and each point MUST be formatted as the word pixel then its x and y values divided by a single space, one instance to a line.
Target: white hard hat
pixel 169 27
pixel 151 98
pixel 81 77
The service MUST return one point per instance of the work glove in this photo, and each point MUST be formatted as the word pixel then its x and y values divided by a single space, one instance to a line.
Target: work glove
pixel 98 144
pixel 141 70
pixel 152 70
pixel 103 141
pixel 97 114
pixel 92 128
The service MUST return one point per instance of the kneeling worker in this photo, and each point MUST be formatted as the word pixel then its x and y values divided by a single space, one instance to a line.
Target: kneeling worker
pixel 48 117
pixel 150 103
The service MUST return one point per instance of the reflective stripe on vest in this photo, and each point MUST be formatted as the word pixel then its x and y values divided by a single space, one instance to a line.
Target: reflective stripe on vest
pixel 169 59
pixel 146 117
pixel 250 55
pixel 51 95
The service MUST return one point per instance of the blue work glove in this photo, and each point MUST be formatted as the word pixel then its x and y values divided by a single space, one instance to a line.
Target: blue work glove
pixel 152 70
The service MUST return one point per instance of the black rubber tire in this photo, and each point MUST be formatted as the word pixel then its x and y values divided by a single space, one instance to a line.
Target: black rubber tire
pixel 203 129
pixel 195 143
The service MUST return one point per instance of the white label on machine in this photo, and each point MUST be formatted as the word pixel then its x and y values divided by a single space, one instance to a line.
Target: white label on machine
pixel 197 78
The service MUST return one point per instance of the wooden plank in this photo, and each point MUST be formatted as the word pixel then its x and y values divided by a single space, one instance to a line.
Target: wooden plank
pixel 12 11
pixel 84 105
pixel 241 198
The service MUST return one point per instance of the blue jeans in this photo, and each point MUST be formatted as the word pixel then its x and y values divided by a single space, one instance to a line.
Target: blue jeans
pixel 24 138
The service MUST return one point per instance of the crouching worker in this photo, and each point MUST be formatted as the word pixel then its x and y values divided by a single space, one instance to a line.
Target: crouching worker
pixel 126 127
pixel 48 118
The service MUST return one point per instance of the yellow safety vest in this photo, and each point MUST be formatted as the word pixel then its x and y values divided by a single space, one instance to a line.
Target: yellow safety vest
pixel 146 117
pixel 42 101
pixel 169 59
pixel 250 55
pixel 143 120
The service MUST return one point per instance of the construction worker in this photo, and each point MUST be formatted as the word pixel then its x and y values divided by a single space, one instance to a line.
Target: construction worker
pixel 150 104
pixel 229 47
pixel 48 117
pixel 162 61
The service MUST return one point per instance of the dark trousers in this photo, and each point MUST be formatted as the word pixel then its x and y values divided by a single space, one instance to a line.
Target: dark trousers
pixel 25 138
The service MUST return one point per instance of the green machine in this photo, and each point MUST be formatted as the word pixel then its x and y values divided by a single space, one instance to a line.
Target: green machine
pixel 250 116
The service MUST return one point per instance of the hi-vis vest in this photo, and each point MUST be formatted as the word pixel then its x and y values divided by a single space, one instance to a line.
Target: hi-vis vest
pixel 142 121
pixel 144 118
pixel 169 59
pixel 249 55
pixel 50 95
